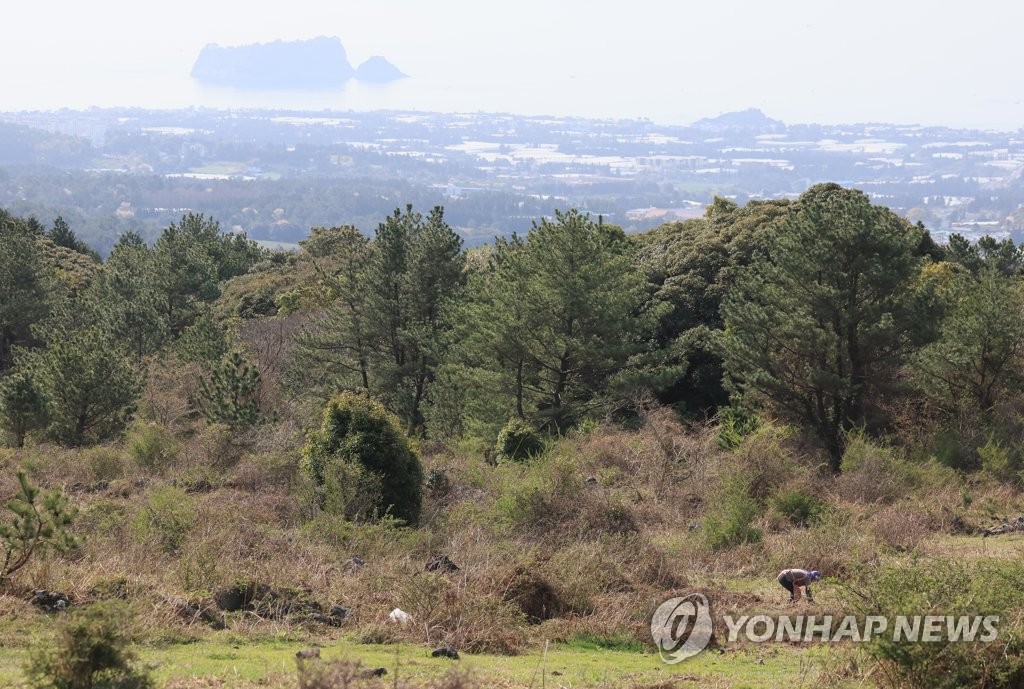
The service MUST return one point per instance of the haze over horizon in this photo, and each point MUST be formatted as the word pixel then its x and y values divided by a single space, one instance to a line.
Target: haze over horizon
pixel 801 62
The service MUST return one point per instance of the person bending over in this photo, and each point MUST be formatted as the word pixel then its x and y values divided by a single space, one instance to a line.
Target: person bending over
pixel 793 579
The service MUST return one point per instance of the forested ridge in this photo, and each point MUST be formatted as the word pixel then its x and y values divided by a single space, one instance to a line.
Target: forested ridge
pixel 804 309
pixel 566 411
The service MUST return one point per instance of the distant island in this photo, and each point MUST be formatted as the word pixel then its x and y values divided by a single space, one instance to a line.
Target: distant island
pixel 749 120
pixel 316 63
pixel 378 70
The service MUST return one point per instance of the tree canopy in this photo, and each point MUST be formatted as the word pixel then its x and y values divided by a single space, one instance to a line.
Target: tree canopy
pixel 826 312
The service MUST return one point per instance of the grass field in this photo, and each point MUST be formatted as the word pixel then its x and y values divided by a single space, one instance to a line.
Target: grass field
pixel 231 661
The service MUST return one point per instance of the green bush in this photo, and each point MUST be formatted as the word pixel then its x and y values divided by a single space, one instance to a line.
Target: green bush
pixel 734 425
pixel 91 652
pixel 798 507
pixel 104 462
pixel 104 517
pixel 730 523
pixel 999 460
pixel 352 491
pixel 873 472
pixel 947 587
pixel 949 450
pixel 360 459
pixel 167 517
pixel 151 446
pixel 518 441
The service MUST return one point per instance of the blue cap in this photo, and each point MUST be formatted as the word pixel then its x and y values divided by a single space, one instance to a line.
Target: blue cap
pixel 815 574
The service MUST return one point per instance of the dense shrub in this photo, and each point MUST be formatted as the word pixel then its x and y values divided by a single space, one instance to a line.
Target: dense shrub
pixel 798 507
pixel 734 425
pixel 947 587
pixel 91 652
pixel 518 441
pixel 1000 460
pixel 104 462
pixel 730 521
pixel 166 519
pixel 835 545
pixel 359 449
pixel 151 446
pixel 873 472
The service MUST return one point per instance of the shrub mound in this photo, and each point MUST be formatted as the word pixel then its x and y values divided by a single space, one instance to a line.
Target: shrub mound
pixel 360 451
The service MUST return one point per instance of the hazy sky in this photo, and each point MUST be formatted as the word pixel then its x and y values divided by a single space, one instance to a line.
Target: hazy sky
pixel 799 61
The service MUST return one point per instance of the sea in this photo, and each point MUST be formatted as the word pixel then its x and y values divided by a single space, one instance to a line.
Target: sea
pixel 569 97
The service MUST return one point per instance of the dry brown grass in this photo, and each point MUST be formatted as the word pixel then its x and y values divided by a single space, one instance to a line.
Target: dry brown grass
pixel 592 535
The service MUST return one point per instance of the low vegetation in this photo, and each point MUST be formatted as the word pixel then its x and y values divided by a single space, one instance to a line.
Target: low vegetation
pixel 524 449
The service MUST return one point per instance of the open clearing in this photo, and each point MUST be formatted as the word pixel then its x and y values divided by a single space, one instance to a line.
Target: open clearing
pixel 229 660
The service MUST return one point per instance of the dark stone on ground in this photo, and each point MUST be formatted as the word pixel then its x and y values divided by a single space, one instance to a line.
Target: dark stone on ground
pixel 231 600
pixel 1006 526
pixel 374 672
pixel 335 618
pixel 50 601
pixel 197 612
pixel 441 563
pixel 288 604
pixel 959 526
pixel 95 487
pixel 201 485
pixel 354 564
pixel 445 652
pixel 308 653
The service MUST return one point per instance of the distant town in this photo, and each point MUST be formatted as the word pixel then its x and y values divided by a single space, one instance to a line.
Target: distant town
pixel 276 174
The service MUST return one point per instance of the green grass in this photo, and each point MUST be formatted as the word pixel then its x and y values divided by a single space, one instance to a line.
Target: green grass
pixel 591 642
pixel 972 547
pixel 226 660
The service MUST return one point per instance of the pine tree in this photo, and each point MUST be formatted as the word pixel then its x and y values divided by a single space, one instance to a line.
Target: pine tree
pixel 231 396
pixel 550 325
pixel 23 286
pixel 22 406
pixel 33 525
pixel 820 320
pixel 61 234
pixel 391 331
pixel 978 360
pixel 493 326
pixel 126 285
pixel 335 350
pixel 185 277
pixel 89 384
pixel 582 298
